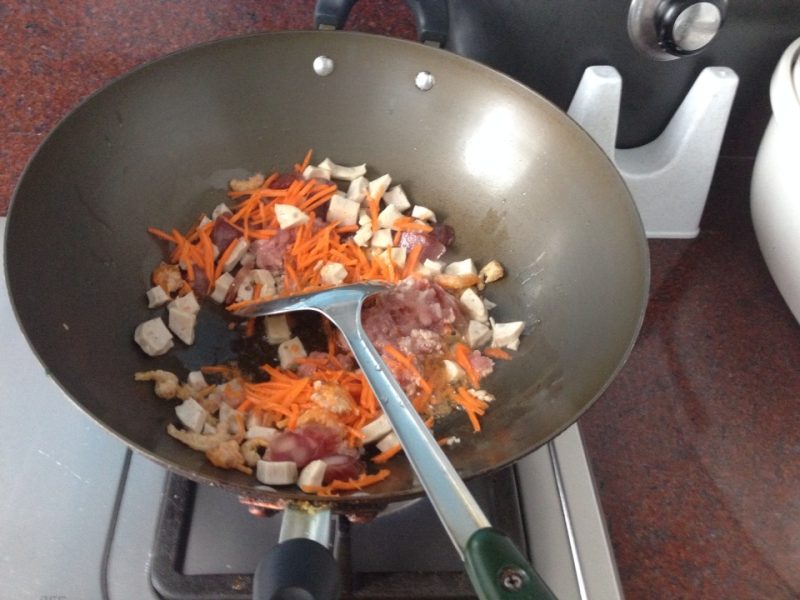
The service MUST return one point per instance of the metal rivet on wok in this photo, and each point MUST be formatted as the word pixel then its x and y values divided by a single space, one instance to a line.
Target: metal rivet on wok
pixel 323 65
pixel 424 80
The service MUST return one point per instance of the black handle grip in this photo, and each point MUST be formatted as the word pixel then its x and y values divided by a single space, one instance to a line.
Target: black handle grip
pixel 297 569
pixel 432 20
pixel 332 13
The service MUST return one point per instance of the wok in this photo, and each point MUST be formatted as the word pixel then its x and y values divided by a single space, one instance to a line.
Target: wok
pixel 516 178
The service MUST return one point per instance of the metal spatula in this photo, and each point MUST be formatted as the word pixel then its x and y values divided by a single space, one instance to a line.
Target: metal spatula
pixel 497 569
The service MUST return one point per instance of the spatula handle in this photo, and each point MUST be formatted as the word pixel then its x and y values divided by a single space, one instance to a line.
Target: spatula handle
pixel 499 571
pixel 453 502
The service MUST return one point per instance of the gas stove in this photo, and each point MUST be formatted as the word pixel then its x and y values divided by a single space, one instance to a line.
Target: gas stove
pixel 83 517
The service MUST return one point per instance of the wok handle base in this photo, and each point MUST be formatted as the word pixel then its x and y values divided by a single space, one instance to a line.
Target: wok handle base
pixel 499 571
pixel 431 17
pixel 297 569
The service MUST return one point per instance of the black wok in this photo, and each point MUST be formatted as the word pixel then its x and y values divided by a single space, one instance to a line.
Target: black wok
pixel 515 177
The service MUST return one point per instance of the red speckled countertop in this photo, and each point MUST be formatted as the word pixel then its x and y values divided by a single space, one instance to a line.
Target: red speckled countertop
pixel 695 446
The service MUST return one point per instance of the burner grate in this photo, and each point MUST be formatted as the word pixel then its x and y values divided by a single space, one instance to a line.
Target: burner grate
pixel 368 573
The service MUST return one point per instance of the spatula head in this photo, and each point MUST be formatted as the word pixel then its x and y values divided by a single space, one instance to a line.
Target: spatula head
pixel 322 301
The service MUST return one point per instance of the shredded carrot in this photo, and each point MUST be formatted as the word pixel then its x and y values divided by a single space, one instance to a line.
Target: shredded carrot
pixel 410 224
pixel 221 369
pixel 223 258
pixel 161 234
pixel 387 455
pixel 462 353
pixel 408 364
pixel 318 199
pixel 472 406
pixel 250 328
pixel 306 161
pixel 411 260
pixel 374 209
pixel 295 413
pixel 359 483
pixel 498 353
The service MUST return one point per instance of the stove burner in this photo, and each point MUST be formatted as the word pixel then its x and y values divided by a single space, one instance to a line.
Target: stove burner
pixel 375 565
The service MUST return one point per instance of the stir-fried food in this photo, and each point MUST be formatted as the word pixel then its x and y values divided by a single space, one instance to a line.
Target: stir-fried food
pixel 305 414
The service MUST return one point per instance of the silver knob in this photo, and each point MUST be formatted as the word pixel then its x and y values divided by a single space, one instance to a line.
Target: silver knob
pixel 669 29
pixel 688 28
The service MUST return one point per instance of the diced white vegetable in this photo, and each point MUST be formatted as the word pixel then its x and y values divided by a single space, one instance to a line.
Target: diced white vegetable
pixel 196 380
pixel 378 186
pixel 244 291
pixel 398 256
pixel 226 411
pixel 276 473
pixel 363 235
pixel 397 198
pixel 473 305
pixel 452 371
pixel 191 414
pixel 187 303
pixel 254 419
pixel 277 329
pixel 236 254
pixel 478 334
pixel 488 303
pixel 261 432
pixel 289 351
pixel 432 267
pixel 388 216
pixel 364 217
pixel 221 287
pixel 153 337
pixel 156 297
pixel 341 209
pixel 382 238
pixel 491 271
pixel 220 209
pixel 342 172
pixel 333 273
pixel 289 216
pixel 265 279
pixel 209 429
pixel 388 442
pixel 482 395
pixel 204 220
pixel 375 430
pixel 312 172
pixel 357 189
pixel 461 267
pixel 182 325
pixel 312 474
pixel 423 213
pixel 507 334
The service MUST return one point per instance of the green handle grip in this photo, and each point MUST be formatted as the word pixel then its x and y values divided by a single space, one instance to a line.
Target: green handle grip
pixel 499 571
